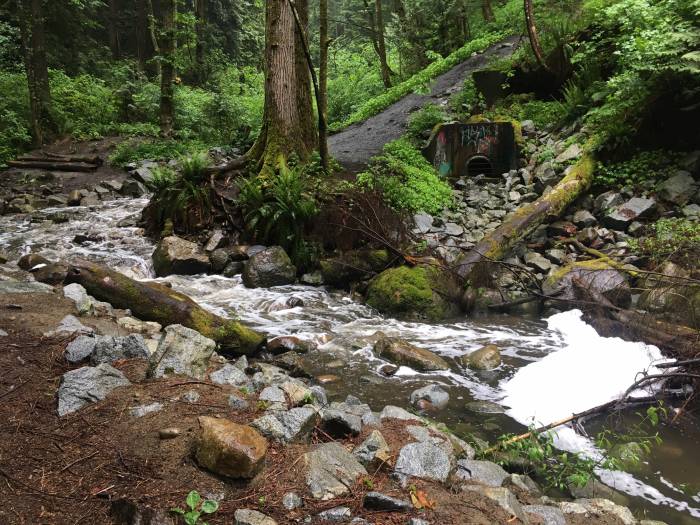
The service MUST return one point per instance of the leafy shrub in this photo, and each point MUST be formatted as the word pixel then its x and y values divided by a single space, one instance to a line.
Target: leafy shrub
pixel 464 102
pixel 645 166
pixel 676 239
pixel 407 180
pixel 134 150
pixel 425 119
pixel 14 115
pixel 196 507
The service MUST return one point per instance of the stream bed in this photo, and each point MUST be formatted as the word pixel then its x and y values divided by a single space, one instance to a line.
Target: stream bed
pixel 551 368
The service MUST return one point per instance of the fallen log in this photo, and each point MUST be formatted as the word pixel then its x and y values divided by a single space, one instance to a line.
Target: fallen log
pixel 527 218
pixel 51 165
pixel 54 157
pixel 156 302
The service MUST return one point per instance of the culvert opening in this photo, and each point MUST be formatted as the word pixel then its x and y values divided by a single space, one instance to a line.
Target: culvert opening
pixel 479 165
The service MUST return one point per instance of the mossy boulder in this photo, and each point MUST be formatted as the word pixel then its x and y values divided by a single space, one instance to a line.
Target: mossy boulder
pixel 596 275
pixel 174 255
pixel 421 292
pixel 485 358
pixel 269 267
pixel 353 266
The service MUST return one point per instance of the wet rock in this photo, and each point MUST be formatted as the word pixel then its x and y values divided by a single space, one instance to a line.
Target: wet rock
pixel 484 472
pixel 402 352
pixel 331 471
pixel 312 279
pixel 504 498
pixel 252 517
pixel 289 343
pixel 219 260
pixel 425 461
pixel 327 378
pixel 485 358
pixel 286 427
pixel 69 325
pixel 135 326
pixel 413 293
pixel 388 369
pixel 178 256
pixel 622 216
pixel 183 351
pixel 87 385
pixel 144 410
pixel 143 174
pixel 594 275
pixel 74 198
pixel 434 394
pixel 340 424
pixel 230 374
pixel 660 295
pixel 678 189
pixel 546 515
pixel 291 501
pixel 336 514
pixel 30 260
pixel 270 267
pixel 3 333
pixel 373 452
pixel 393 412
pixel 109 349
pixel 382 502
pixel 133 188
pixel 79 348
pixel 229 449
pixel 293 363
pixel 233 268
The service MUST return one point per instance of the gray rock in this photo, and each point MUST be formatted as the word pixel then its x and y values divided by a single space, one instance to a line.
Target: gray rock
pixel 556 256
pixel 319 395
pixel 78 294
pixel 218 259
pixel 183 351
pixel 382 502
pixel 143 410
pixel 136 326
pixel 133 188
pixel 191 396
pixel 7 287
pixel 178 256
pixel 453 229
pixel 80 348
pixel 216 241
pixel 418 521
pixel 522 482
pixel 537 262
pixel 484 407
pixel 547 515
pixel 606 201
pixel 270 267
pixel 109 349
pixel 338 423
pixel 291 501
pixel 504 498
pixel 434 394
pixel 273 395
pixel 237 402
pixel 484 472
pixel 336 514
pixel 287 427
pixel 602 507
pixel 595 276
pixel 373 451
pixel 331 471
pixel 528 127
pixel 69 325
pixel 485 358
pixel 392 412
pixel 636 208
pixel 252 517
pixel 3 333
pixel 584 219
pixel 678 189
pixel 233 268
pixel 423 460
pixel 312 279
pixel 571 153
pixel 87 385
pixel 230 374
pixel 143 174
pixel 423 222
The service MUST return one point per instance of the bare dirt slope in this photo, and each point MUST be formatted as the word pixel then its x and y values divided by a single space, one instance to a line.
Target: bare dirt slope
pixel 354 146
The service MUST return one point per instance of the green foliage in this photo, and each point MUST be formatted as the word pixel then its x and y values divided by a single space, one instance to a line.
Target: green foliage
pixel 196 507
pixel 643 167
pixel 425 119
pixel 133 150
pixel 377 104
pixel 277 211
pixel 14 111
pixel 544 114
pixel 407 180
pixel 464 102
pixel 676 239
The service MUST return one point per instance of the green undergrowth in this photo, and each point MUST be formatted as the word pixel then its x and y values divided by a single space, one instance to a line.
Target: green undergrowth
pixel 419 80
pixel 676 239
pixel 643 167
pixel 137 149
pixel 406 179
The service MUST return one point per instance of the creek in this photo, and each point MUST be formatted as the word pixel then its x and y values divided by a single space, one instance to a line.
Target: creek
pixel 551 368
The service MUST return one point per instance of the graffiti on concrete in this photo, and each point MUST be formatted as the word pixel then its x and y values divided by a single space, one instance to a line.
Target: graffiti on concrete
pixel 480 139
pixel 440 161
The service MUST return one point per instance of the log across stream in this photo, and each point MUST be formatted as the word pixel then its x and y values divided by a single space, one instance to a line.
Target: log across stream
pixel 588 369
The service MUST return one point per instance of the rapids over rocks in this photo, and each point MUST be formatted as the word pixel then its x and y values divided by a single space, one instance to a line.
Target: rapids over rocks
pixel 551 368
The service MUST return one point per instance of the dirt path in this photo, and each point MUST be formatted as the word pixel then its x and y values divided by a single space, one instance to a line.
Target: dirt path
pixel 354 146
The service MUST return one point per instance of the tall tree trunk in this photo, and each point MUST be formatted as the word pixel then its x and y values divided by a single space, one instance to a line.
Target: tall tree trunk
pixel 33 41
pixel 386 72
pixel 534 37
pixel 152 31
pixel 487 10
pixel 141 34
pixel 324 43
pixel 167 67
pixel 113 29
pixel 200 7
pixel 288 126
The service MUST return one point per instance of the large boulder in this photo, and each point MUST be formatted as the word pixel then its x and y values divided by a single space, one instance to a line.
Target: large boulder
pixel 178 256
pixel 424 460
pixel 484 472
pixel 182 351
pixel 331 471
pixel 269 267
pixel 596 276
pixel 294 425
pixel 353 266
pixel 404 353
pixel 87 385
pixel 485 358
pixel 229 449
pixel 636 208
pixel 431 396
pixel 373 452
pixel 109 349
pixel 412 293
pixel 78 294
pixel 678 189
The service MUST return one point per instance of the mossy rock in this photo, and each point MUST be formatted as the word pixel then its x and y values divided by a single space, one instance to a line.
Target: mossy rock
pixel 353 266
pixel 420 292
pixel 595 275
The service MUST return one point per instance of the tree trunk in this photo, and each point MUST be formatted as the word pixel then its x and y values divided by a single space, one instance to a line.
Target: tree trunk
pixel 324 43
pixel 386 72
pixel 113 29
pixel 487 10
pixel 155 302
pixel 526 219
pixel 33 42
pixel 200 7
pixel 152 33
pixel 534 37
pixel 288 126
pixel 141 34
pixel 167 67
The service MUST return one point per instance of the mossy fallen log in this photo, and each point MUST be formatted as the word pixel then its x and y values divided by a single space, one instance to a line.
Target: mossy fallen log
pixel 527 218
pixel 156 302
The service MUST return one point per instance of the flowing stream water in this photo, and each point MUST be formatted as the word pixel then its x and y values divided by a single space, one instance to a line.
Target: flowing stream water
pixel 551 368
